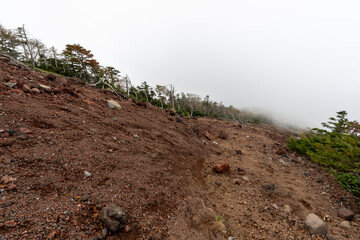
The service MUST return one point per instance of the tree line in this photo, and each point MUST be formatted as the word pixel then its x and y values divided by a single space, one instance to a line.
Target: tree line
pixel 77 61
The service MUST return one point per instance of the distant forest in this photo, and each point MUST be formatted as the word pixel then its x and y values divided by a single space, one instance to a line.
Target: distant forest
pixel 77 62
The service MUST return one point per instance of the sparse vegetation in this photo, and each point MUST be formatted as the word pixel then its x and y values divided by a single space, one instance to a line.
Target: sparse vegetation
pixel 218 218
pixel 77 61
pixel 337 148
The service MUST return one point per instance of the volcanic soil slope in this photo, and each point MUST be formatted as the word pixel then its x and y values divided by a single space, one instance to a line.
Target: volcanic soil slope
pixel 66 153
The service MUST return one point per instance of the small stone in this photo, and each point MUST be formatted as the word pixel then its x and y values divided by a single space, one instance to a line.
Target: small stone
pixel 318 180
pixel 223 135
pixel 345 224
pixel 87 174
pixel 306 174
pixel 287 209
pixel 10 84
pixel 315 225
pixel 127 228
pixel 221 167
pixel 281 152
pixel 282 161
pixel 23 137
pixel 25 130
pixel 44 87
pixel 26 88
pixel 104 232
pixel 294 160
pixel 269 188
pixel 114 218
pixel 232 238
pixel 10 223
pixel 84 198
pixel 8 204
pixel 238 152
pixel 218 183
pixel 346 214
pixel 35 90
pixel 237 181
pixel 11 187
pixel 6 179
pixel 11 132
pixel 113 104
pixel 136 136
pixel 327 218
pixel 53 234
pixel 246 179
pixel 216 143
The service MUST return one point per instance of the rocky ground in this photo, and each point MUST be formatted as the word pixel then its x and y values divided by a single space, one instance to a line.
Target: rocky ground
pixel 67 151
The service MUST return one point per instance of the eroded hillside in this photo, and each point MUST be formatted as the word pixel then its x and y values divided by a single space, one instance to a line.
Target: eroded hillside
pixel 72 154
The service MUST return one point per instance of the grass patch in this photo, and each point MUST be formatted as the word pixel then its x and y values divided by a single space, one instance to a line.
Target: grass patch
pixel 48 72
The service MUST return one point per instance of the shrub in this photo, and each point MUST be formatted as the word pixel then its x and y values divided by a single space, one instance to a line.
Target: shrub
pixel 337 150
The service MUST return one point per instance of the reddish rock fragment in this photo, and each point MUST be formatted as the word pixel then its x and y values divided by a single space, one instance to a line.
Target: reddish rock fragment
pixel 10 223
pixel 221 167
pixel 25 130
pixel 11 187
pixel 35 90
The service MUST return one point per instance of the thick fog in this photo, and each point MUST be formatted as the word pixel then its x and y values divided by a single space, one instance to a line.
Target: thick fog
pixel 298 60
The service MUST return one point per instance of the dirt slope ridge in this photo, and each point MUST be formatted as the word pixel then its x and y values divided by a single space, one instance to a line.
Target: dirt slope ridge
pixel 156 166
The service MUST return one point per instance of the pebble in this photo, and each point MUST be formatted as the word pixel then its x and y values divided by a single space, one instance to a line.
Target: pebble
pixel 113 104
pixel 246 179
pixel 25 130
pixel 84 198
pixel 8 204
pixel 35 90
pixel 136 136
pixel 87 174
pixel 10 223
pixel 238 152
pixel 237 181
pixel 221 167
pixel 10 84
pixel 345 224
pixel 346 214
pixel 318 180
pixel 22 137
pixel 104 231
pixel 11 132
pixel 44 87
pixel 11 187
pixel 287 209
pixel 6 179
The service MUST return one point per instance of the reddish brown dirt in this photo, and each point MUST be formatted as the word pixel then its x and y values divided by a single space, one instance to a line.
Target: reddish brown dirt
pixel 157 167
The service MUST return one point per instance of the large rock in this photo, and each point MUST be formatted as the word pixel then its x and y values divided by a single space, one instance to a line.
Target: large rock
pixel 114 104
pixel 346 214
pixel 114 218
pixel 315 225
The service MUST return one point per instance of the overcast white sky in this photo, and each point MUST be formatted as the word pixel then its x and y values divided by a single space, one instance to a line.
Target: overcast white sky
pixel 299 60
